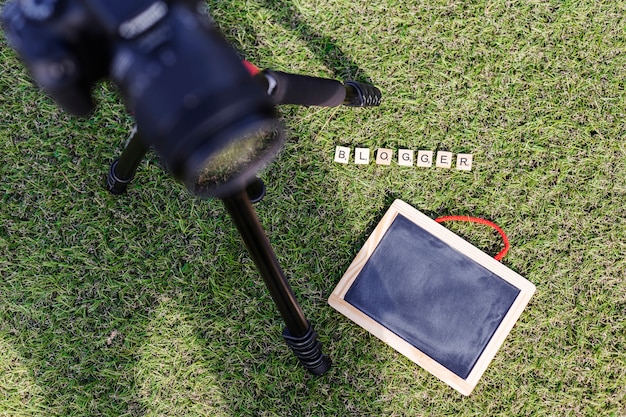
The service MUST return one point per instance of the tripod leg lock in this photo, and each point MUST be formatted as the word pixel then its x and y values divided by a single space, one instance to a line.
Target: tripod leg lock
pixel 309 351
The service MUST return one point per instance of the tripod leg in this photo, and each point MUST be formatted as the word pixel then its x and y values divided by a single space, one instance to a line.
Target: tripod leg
pixel 122 170
pixel 304 90
pixel 298 333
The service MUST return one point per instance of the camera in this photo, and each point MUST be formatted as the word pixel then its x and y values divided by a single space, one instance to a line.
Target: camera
pixel 191 96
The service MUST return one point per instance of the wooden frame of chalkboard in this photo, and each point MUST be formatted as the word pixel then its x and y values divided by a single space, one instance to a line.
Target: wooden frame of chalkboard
pixel 432 296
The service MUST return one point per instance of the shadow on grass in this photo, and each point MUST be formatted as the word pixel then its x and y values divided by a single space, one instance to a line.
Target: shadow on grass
pixel 323 46
pixel 88 337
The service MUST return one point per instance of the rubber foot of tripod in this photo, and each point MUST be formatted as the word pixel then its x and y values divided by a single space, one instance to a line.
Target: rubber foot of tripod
pixel 116 185
pixel 309 351
pixel 361 95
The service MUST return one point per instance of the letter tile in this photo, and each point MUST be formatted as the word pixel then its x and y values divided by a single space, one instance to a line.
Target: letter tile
pixel 361 156
pixel 444 159
pixel 464 161
pixel 425 158
pixel 405 157
pixel 342 154
pixel 383 156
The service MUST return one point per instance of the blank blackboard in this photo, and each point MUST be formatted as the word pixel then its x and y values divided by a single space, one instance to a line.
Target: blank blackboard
pixel 432 296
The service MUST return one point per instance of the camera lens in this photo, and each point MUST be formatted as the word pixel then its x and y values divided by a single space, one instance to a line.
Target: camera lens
pixel 233 166
pixel 194 101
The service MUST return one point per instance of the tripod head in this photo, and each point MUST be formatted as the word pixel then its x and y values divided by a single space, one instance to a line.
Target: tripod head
pixel 191 96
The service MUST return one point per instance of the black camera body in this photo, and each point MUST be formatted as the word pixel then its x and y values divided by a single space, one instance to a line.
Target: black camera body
pixel 187 88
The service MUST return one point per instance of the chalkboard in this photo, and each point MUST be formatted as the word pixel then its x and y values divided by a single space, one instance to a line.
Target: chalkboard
pixel 432 296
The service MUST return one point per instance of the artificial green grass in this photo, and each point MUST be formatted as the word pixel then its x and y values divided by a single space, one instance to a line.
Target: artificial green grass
pixel 148 304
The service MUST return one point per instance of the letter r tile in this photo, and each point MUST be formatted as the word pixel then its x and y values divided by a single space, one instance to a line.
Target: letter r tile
pixel 464 161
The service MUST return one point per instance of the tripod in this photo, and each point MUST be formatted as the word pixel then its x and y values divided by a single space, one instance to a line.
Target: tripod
pixel 283 88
